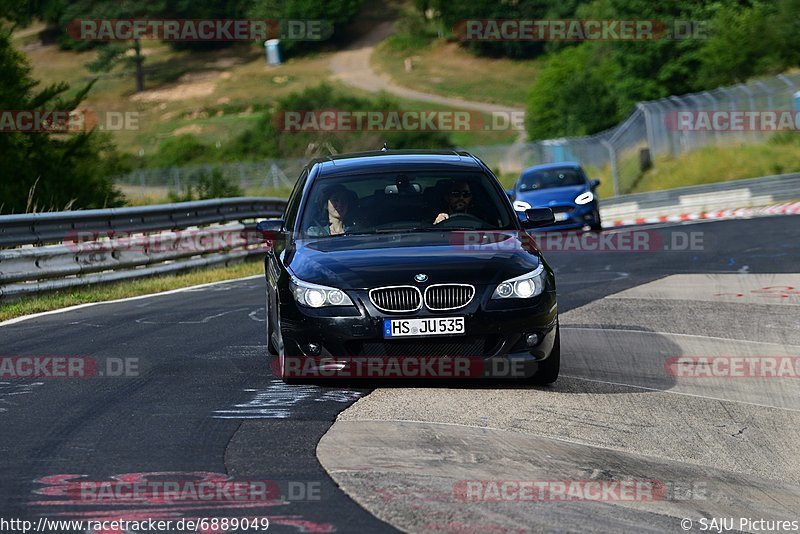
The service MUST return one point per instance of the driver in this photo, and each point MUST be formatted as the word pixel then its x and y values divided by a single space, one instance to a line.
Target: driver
pixel 457 199
pixel 340 204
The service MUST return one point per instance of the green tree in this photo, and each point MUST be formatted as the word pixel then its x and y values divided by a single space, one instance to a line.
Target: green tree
pixel 111 54
pixel 572 95
pixel 750 41
pixel 44 170
pixel 337 13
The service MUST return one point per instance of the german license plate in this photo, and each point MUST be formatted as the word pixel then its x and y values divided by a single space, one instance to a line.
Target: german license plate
pixel 434 326
pixel 561 216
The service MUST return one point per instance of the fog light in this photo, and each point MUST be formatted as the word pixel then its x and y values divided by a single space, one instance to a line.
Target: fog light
pixel 533 339
pixel 313 349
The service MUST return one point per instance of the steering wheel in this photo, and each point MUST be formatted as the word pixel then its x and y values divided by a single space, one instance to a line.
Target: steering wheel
pixel 461 218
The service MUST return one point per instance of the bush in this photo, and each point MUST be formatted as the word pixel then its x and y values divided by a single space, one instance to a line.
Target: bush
pixel 208 185
pixel 267 140
pixel 178 151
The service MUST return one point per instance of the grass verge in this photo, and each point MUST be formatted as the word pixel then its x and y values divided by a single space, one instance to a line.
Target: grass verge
pixel 444 68
pixel 705 165
pixel 120 290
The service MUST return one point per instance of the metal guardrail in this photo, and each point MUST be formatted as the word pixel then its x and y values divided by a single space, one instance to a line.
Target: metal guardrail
pixel 734 194
pixel 49 251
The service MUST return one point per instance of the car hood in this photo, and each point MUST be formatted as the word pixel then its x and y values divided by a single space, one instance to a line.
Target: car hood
pixel 362 262
pixel 552 196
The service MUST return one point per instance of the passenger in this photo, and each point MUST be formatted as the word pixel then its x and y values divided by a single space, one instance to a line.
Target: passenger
pixel 339 209
pixel 457 199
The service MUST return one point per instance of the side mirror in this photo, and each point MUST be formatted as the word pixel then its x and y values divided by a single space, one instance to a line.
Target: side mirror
pixel 538 217
pixel 271 229
pixel 594 183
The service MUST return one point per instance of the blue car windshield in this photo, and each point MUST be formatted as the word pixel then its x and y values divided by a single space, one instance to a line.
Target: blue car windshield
pixel 546 179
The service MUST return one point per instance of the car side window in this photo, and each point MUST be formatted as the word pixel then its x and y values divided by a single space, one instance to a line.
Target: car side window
pixel 293 205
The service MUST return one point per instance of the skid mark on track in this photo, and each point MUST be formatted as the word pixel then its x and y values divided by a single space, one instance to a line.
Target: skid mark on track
pixel 204 320
pixel 10 393
pixel 278 400
pixel 254 315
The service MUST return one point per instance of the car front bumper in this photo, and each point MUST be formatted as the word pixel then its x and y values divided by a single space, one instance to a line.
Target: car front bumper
pixel 578 216
pixel 500 339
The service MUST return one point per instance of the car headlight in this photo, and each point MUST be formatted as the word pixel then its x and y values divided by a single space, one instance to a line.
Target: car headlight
pixel 527 286
pixel 521 205
pixel 317 296
pixel 584 198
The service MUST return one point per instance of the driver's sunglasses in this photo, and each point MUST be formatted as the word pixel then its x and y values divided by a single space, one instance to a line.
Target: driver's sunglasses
pixel 463 194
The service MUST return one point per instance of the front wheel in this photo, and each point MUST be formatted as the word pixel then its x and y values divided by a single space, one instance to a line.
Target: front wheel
pixel 597 226
pixel 547 372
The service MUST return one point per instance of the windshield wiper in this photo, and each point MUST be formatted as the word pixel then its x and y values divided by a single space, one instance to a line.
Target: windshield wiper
pixel 404 230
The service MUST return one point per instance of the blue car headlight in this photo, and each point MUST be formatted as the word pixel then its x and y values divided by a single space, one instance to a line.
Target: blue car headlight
pixel 527 286
pixel 317 296
pixel 584 198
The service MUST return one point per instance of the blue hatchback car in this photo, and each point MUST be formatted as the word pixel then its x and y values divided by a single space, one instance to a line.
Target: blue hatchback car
pixel 562 187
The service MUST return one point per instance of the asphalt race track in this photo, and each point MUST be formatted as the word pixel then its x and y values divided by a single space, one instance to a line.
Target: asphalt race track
pixel 197 401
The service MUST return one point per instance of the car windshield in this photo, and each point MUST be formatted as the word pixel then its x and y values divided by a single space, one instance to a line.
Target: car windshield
pixel 403 202
pixel 546 179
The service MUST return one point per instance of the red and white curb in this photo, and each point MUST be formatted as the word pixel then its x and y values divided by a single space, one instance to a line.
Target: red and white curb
pixel 790 208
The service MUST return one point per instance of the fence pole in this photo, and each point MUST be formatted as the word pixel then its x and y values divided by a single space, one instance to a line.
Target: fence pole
pixel 648 128
pixel 790 83
pixel 612 157
pixel 746 90
pixel 767 89
pixel 683 140
pixel 714 108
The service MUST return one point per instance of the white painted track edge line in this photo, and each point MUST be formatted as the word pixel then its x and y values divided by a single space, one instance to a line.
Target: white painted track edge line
pixel 568 327
pixel 16 320
pixel 695 395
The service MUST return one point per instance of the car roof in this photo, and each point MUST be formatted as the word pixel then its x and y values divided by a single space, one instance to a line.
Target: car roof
pixel 390 160
pixel 549 166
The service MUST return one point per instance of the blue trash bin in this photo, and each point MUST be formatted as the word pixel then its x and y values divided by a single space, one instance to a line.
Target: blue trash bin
pixel 272 47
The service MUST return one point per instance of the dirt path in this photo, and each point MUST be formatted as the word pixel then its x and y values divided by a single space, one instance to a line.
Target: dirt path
pixel 352 67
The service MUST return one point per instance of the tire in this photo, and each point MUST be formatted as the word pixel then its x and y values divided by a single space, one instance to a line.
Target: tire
pixel 547 372
pixel 270 348
pixel 598 226
pixel 282 373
